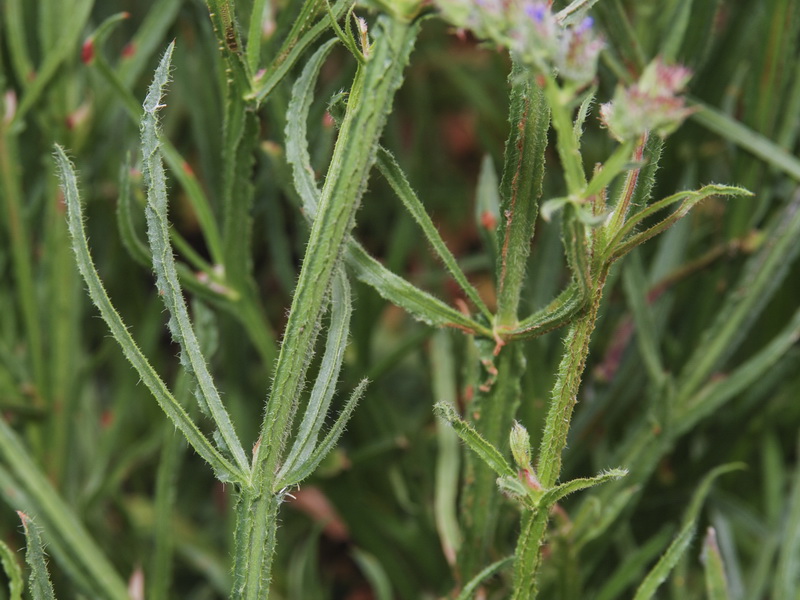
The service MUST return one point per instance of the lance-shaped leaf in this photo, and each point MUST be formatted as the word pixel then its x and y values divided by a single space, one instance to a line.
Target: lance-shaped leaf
pixel 297 154
pixel 619 246
pixel 520 188
pixel 763 274
pixel 468 591
pixel 13 572
pixel 169 288
pixel 389 168
pixel 667 562
pixel 560 491
pixel 716 583
pixel 325 383
pixel 788 571
pixel 419 304
pixel 556 314
pixel 119 331
pixel 299 39
pixel 393 288
pixel 328 443
pixel 448 455
pixel 488 453
pixel 39 580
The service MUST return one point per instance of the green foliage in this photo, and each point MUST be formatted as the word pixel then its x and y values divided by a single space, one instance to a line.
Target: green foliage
pixel 564 334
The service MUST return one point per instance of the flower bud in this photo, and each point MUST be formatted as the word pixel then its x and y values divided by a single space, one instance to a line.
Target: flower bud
pixel 520 443
pixel 650 105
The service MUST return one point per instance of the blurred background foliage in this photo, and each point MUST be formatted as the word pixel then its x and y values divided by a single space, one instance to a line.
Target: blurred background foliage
pixel 364 525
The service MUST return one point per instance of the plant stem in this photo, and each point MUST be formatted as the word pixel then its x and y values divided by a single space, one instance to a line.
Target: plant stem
pixel 528 555
pixel 566 142
pixel 492 414
pixel 565 392
pixel 369 104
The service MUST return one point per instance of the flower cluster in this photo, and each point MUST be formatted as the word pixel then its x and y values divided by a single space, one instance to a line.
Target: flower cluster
pixel 652 104
pixel 531 30
pixel 540 39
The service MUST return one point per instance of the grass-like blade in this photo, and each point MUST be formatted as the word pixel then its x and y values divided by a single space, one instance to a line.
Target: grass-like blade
pixel 60 52
pixel 169 288
pixel 761 276
pixel 487 203
pixel 744 137
pixel 679 545
pixel 325 383
pixel 12 571
pixel 488 453
pixel 632 566
pixel 787 577
pixel 716 584
pixel 297 154
pixel 389 168
pixel 469 590
pixel 448 456
pixel 26 488
pixel 634 283
pixel 374 573
pixel 39 583
pixel 120 332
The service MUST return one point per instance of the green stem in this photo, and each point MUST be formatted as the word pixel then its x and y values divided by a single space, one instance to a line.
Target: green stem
pixel 528 555
pixel 565 392
pixel 566 142
pixel 369 104
pixel 480 498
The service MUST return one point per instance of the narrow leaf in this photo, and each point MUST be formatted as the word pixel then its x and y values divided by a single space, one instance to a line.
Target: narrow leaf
pixel 488 453
pixel 619 246
pixel 635 286
pixel 121 334
pixel 667 562
pixel 375 574
pixel 13 572
pixel 487 203
pixel 327 444
pixel 448 456
pixel 468 591
pixel 166 274
pixel 127 232
pixel 557 493
pixel 389 168
pixel 296 133
pixel 520 187
pixel 556 314
pixel 716 583
pixel 297 42
pixel 762 275
pixel 752 141
pixel 39 580
pixel 787 577
pixel 419 304
pixel 325 384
